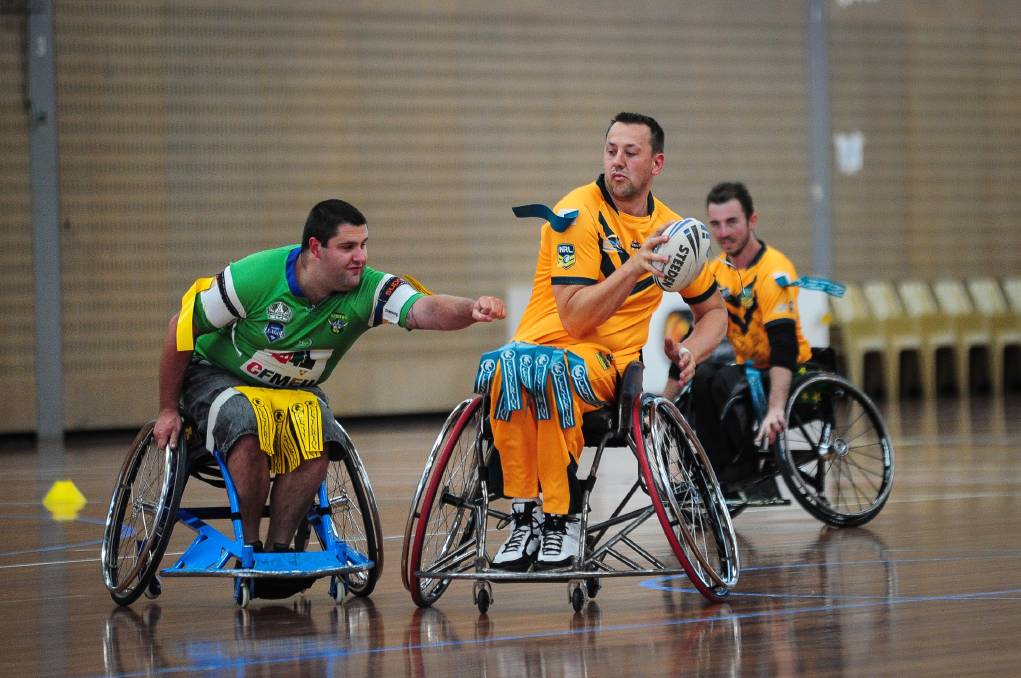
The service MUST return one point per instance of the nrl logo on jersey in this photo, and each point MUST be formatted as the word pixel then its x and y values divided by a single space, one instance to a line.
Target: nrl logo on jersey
pixel 566 256
pixel 279 311
pixel 338 321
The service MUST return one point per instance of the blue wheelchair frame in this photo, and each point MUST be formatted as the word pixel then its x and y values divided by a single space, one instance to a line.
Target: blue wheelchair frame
pixel 209 553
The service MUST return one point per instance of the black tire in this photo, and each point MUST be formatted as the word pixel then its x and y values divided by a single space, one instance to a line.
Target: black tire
pixel 835 455
pixel 686 497
pixel 442 532
pixel 483 601
pixel 141 516
pixel 577 599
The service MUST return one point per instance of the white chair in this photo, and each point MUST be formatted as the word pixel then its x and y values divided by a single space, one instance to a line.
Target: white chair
pixel 1004 325
pixel 855 333
pixel 972 327
pixel 937 331
pixel 903 334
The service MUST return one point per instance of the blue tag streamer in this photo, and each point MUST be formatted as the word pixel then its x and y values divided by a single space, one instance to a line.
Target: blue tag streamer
pixel 808 282
pixel 542 365
pixel 530 368
pixel 754 377
pixel 558 222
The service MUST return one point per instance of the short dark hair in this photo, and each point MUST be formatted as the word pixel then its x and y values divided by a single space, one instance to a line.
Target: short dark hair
pixel 326 217
pixel 656 135
pixel 725 191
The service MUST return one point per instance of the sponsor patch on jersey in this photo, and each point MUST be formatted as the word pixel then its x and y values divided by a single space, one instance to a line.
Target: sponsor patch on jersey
pixel 604 360
pixel 566 257
pixel 338 321
pixel 279 311
pixel 288 369
pixel 274 331
pixel 635 245
pixel 390 288
pixel 612 244
pixel 747 297
pixel 305 343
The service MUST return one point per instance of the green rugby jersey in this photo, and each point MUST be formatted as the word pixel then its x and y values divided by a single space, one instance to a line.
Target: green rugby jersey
pixel 255 322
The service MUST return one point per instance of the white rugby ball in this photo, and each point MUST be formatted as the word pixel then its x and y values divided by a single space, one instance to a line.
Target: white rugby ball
pixel 689 248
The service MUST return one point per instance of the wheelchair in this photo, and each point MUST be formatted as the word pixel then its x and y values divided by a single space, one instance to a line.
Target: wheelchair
pixel 452 513
pixel 146 504
pixel 835 455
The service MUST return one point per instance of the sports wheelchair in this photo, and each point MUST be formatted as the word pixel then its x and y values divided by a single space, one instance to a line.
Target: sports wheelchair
pixel 835 454
pixel 146 504
pixel 452 511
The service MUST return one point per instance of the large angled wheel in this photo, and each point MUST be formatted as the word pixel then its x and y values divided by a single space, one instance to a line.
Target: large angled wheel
pixel 686 496
pixel 835 454
pixel 142 513
pixel 441 531
pixel 354 518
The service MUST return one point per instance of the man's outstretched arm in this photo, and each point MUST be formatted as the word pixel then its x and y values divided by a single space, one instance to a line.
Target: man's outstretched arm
pixel 446 312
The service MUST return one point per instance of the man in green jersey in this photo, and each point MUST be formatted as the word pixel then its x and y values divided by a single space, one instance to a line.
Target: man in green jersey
pixel 282 319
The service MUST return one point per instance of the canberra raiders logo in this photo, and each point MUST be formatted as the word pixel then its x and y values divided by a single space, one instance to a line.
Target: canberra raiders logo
pixel 338 321
pixel 279 311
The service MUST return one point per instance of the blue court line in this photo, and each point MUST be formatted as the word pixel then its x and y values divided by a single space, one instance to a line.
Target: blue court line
pixel 56 547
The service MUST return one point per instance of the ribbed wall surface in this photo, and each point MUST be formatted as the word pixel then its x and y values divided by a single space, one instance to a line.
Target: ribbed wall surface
pixel 192 133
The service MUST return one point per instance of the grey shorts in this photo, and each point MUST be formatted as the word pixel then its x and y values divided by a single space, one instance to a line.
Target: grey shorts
pixel 204 382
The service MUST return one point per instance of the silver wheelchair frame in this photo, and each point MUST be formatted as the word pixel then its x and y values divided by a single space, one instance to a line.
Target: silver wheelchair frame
pixel 446 532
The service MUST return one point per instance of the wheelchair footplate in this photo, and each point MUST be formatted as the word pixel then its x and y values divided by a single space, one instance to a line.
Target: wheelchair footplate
pixel 758 493
pixel 211 554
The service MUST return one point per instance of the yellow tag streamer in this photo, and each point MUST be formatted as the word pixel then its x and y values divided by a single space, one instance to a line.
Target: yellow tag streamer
pixel 185 333
pixel 290 425
pixel 414 282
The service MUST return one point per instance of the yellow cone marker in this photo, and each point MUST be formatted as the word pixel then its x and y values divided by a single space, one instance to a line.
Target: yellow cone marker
pixel 64 500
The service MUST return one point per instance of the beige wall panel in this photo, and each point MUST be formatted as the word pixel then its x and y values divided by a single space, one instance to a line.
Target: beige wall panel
pixel 936 89
pixel 17 361
pixel 197 132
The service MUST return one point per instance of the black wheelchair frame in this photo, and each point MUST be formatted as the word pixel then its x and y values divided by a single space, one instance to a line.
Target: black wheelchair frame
pixel 834 455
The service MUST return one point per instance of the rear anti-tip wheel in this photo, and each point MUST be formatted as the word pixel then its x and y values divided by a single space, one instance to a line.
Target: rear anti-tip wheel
pixel 576 594
pixel 483 596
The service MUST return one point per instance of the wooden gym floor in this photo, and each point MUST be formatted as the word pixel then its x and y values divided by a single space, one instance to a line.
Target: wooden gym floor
pixel 931 587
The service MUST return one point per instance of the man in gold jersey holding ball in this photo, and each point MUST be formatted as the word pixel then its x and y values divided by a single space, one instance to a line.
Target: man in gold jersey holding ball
pixel 593 296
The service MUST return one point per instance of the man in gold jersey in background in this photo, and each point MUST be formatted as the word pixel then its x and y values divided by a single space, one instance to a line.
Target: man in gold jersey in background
pixel 763 329
pixel 593 296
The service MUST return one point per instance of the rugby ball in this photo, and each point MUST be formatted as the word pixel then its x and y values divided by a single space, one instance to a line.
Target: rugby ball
pixel 688 247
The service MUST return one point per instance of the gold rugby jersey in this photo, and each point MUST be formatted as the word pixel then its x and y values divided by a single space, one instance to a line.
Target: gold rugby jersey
pixel 599 241
pixel 754 301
